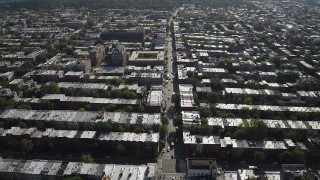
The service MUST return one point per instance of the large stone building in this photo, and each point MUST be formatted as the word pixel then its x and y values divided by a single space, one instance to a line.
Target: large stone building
pixel 144 58
pixel 117 55
pixel 97 54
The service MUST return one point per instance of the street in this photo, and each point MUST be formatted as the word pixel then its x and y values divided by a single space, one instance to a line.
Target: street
pixel 169 162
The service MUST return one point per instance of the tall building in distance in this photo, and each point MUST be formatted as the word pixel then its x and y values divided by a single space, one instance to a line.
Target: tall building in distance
pixel 118 54
pixel 97 54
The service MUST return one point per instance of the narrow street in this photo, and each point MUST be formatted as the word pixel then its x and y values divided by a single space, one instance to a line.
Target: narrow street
pixel 169 162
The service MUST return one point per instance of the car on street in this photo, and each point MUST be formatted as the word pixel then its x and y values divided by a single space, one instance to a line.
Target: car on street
pixel 163 150
pixel 168 149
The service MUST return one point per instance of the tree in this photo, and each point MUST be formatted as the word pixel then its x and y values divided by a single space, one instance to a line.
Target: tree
pixel 255 114
pixel 128 94
pixel 163 131
pixel 86 158
pixel 51 88
pixel 81 109
pixel 259 156
pixel 26 67
pixel 117 127
pixel 302 116
pixel 141 109
pixel 128 109
pixel 216 84
pixel 164 120
pixel 46 104
pixel 115 93
pixel 286 157
pixel 212 98
pixel 121 149
pixel 205 112
pixel 103 126
pixel 26 145
pixel 177 121
pixel 291 77
pixel 205 130
pixel 189 74
pixel 22 105
pixel 138 130
pixel 116 81
pixel 109 107
pixel 299 156
pixel 297 135
pixel 41 58
pixel 204 121
pixel 248 100
pixel 22 124
pixel 253 130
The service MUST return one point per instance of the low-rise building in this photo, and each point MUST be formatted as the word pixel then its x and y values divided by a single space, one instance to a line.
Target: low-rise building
pixel 62 101
pixel 68 119
pixel 145 78
pixel 55 169
pixel 144 58
pixel 195 145
pixel 84 140
pixel 154 99
pixel 201 168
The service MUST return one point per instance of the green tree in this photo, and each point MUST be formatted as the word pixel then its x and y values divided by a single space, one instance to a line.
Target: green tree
pixel 286 157
pixel 87 158
pixel 117 127
pixel 109 107
pixel 205 130
pixel 121 149
pixel 128 109
pixel 299 156
pixel 177 121
pixel 212 98
pixel 22 105
pixel 26 145
pixel 204 121
pixel 253 130
pixel 22 124
pixel 116 81
pixel 259 156
pixel 205 112
pixel 248 100
pixel 291 77
pixel 164 120
pixel 51 88
pixel 302 116
pixel 163 130
pixel 141 109
pixel 128 94
pixel 190 74
pixel 115 93
pixel 26 67
pixel 41 58
pixel 216 84
pixel 46 104
pixel 138 130
pixel 103 126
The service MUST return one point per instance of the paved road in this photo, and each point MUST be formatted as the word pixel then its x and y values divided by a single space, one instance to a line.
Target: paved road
pixel 169 166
